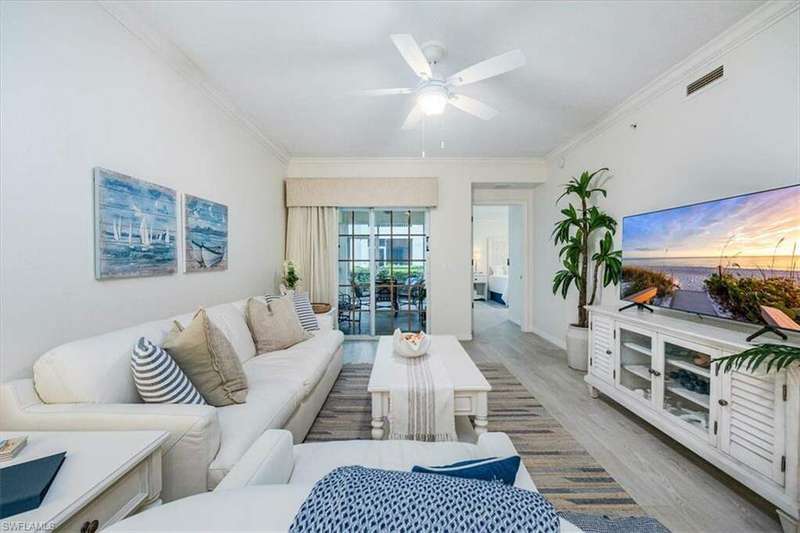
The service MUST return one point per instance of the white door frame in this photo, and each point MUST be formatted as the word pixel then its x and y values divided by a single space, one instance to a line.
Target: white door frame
pixel 522 197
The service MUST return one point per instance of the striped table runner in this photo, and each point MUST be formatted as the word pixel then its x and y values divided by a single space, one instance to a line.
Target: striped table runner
pixel 422 403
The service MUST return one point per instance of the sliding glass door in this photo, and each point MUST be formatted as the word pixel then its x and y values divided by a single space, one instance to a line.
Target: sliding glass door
pixel 382 271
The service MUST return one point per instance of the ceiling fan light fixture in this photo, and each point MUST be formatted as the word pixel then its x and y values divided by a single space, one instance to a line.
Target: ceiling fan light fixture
pixel 432 100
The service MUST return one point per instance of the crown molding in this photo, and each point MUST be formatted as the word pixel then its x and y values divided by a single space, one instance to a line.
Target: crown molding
pixel 426 160
pixel 748 27
pixel 175 58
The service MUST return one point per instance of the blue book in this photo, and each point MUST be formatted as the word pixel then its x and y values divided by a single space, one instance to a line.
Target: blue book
pixel 23 486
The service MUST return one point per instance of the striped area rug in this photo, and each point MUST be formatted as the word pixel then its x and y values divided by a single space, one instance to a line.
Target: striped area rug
pixel 562 470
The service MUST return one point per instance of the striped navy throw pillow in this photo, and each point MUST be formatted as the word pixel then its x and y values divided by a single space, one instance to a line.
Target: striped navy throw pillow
pixel 158 378
pixel 302 306
pixel 502 469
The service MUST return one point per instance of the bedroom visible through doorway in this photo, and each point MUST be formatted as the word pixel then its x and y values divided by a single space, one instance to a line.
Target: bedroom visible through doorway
pixel 497 259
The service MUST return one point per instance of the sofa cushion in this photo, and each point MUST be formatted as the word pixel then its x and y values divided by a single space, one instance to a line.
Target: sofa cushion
pixel 274 324
pixel 230 319
pixel 95 369
pixel 270 403
pixel 302 306
pixel 158 378
pixel 305 362
pixel 207 357
pixel 314 460
pixel 502 469
pixel 253 508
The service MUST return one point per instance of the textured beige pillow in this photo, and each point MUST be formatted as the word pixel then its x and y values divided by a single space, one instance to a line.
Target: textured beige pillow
pixel 209 361
pixel 274 325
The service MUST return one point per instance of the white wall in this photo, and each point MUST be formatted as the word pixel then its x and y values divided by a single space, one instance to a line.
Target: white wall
pixel 80 91
pixel 739 136
pixel 451 248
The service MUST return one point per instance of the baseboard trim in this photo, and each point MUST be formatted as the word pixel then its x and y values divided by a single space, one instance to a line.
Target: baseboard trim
pixel 561 343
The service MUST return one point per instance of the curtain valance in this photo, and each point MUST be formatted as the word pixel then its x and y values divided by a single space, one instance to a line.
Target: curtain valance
pixel 362 192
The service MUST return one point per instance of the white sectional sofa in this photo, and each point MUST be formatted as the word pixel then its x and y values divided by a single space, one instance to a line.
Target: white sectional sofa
pixel 87 385
pixel 271 481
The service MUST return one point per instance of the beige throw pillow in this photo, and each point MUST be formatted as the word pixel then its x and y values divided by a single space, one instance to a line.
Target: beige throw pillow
pixel 274 325
pixel 209 361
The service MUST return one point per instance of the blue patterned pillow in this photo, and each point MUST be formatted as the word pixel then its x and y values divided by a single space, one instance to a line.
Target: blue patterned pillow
pixel 354 498
pixel 302 306
pixel 491 469
pixel 158 378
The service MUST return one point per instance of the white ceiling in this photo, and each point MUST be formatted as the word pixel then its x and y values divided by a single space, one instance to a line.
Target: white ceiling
pixel 289 66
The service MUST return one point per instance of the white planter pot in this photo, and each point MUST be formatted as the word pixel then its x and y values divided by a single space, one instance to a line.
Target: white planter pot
pixel 578 348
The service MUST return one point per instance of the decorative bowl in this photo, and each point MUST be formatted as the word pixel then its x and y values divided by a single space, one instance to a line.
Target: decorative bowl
pixel 410 344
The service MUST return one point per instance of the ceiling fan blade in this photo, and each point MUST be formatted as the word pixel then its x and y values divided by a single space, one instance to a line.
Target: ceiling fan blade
pixel 489 68
pixel 382 92
pixel 413 118
pixel 473 107
pixel 412 53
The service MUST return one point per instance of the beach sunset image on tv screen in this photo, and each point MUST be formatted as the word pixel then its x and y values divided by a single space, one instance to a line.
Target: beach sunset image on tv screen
pixel 736 258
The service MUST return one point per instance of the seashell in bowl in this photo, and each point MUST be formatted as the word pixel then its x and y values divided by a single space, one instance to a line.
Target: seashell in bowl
pixel 410 344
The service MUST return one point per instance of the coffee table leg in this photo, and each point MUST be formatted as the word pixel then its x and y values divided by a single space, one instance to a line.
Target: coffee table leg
pixel 482 414
pixel 377 417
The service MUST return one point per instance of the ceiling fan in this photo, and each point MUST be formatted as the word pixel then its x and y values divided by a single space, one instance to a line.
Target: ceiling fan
pixel 433 91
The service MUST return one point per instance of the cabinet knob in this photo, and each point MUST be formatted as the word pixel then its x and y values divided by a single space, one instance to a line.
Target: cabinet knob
pixel 608 352
pixel 654 372
pixel 723 403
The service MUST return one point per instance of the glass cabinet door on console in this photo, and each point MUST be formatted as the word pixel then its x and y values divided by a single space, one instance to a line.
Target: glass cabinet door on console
pixel 637 369
pixel 688 387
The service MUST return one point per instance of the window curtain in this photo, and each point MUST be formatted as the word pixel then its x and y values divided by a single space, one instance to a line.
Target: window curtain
pixel 311 243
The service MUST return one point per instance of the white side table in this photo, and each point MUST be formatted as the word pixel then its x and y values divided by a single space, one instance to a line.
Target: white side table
pixel 106 476
pixel 480 286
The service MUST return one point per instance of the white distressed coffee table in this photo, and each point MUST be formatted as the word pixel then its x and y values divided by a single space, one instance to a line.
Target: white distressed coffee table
pixel 469 386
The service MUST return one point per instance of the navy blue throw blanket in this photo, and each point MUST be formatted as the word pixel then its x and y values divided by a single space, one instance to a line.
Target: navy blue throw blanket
pixel 354 498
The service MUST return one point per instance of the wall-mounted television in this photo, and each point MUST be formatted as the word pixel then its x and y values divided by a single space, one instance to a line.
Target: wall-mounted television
pixel 736 258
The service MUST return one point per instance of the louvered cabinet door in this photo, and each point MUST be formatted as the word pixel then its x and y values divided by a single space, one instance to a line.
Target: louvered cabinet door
pixel 752 415
pixel 601 349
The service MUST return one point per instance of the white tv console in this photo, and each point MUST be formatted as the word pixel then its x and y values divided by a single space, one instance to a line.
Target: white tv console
pixel 743 423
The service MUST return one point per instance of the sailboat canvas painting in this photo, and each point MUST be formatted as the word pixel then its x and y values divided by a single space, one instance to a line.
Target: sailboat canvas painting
pixel 135 227
pixel 206 233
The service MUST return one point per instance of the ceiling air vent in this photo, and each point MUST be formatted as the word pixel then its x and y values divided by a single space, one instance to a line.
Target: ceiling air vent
pixel 708 79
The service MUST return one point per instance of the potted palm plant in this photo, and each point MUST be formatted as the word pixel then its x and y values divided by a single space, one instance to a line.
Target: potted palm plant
pixel 584 255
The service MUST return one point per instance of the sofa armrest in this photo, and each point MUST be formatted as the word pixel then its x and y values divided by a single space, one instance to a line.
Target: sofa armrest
pixel 194 433
pixel 269 461
pixel 496 444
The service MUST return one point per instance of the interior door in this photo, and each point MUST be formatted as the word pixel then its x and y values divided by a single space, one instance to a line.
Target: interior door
pixel 752 415
pixel 515 300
